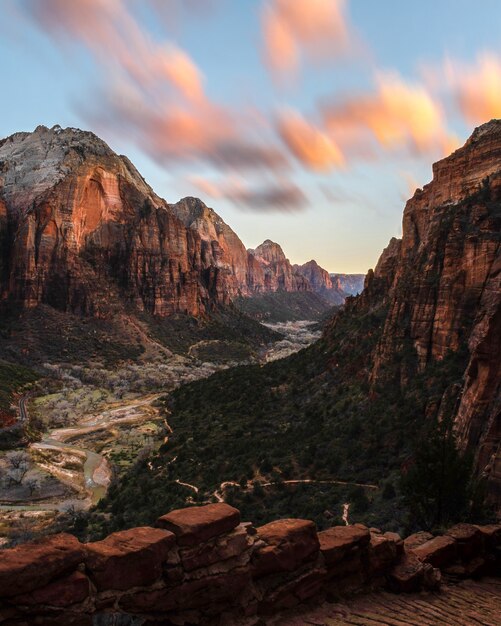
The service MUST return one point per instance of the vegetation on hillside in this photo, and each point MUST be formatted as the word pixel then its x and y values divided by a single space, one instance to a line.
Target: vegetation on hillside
pixel 311 417
pixel 283 306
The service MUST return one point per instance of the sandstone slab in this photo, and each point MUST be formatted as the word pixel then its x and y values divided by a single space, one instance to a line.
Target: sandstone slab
pixel 35 564
pixel 469 540
pixel 407 575
pixel 285 545
pixel 63 592
pixel 197 524
pixel 129 558
pixel 438 551
pixel 337 542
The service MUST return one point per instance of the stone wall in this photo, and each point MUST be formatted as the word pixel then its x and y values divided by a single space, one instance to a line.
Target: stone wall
pixel 202 565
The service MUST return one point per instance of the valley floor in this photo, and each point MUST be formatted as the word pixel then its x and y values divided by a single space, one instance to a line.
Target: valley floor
pixel 469 603
pixel 98 428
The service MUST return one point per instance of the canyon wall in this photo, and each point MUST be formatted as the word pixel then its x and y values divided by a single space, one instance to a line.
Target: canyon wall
pixel 321 282
pixel 278 272
pixel 350 284
pixel 202 565
pixel 80 230
pixel 441 285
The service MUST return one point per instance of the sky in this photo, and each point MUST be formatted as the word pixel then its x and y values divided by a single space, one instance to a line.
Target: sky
pixel 308 122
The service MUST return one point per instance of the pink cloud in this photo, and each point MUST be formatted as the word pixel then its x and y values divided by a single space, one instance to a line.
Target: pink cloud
pixel 397 115
pixel 310 146
pixel 315 29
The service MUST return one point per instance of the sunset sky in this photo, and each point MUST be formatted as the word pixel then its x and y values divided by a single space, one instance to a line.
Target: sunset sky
pixel 308 122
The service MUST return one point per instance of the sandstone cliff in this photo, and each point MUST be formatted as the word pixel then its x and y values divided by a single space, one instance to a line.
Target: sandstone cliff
pixel 350 284
pixel 81 231
pixel 442 286
pixel 321 282
pixel 84 232
pixel 278 272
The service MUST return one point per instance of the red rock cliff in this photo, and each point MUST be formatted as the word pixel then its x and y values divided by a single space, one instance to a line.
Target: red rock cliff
pixel 442 286
pixel 321 281
pixel 83 232
pixel 277 271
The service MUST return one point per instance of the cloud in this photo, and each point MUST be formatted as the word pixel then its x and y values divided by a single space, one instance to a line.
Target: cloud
pixel 292 29
pixel 396 115
pixel 113 36
pixel 282 195
pixel 476 87
pixel 153 92
pixel 309 145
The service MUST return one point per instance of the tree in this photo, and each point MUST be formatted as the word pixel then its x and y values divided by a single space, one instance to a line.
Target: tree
pixel 19 463
pixel 438 485
pixel 32 484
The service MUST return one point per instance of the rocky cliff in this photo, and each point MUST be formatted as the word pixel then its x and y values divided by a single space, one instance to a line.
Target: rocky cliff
pixel 278 272
pixel 81 231
pixel 84 232
pixel 321 282
pixel 442 286
pixel 350 284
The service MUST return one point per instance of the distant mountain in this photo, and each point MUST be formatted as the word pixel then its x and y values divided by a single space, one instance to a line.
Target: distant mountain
pixel 321 282
pixel 349 284
pixel 82 232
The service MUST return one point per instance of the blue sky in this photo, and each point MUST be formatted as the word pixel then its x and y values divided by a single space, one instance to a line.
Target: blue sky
pixel 380 90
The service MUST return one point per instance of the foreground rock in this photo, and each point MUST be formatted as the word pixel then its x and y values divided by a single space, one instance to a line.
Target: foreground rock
pixel 201 565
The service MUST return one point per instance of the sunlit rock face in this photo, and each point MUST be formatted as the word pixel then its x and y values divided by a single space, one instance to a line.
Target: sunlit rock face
pixel 82 231
pixel 85 231
pixel 321 281
pixel 442 286
pixel 220 246
pixel 278 273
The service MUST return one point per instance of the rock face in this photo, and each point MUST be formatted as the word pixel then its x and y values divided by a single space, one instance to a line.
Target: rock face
pixel 278 273
pixel 442 286
pixel 321 281
pixel 350 284
pixel 220 246
pixel 84 231
pixel 80 230
pixel 210 569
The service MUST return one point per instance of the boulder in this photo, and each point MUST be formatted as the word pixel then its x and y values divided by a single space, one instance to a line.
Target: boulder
pixel 339 541
pixel 417 539
pixel 216 550
pixel 491 534
pixel 469 540
pixel 62 592
pixel 284 545
pixel 35 564
pixel 407 575
pixel 438 551
pixel 197 524
pixel 397 540
pixel 383 553
pixel 129 558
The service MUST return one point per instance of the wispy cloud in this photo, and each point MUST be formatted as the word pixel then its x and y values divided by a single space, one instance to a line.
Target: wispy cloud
pixel 397 115
pixel 303 29
pixel 281 195
pixel 309 144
